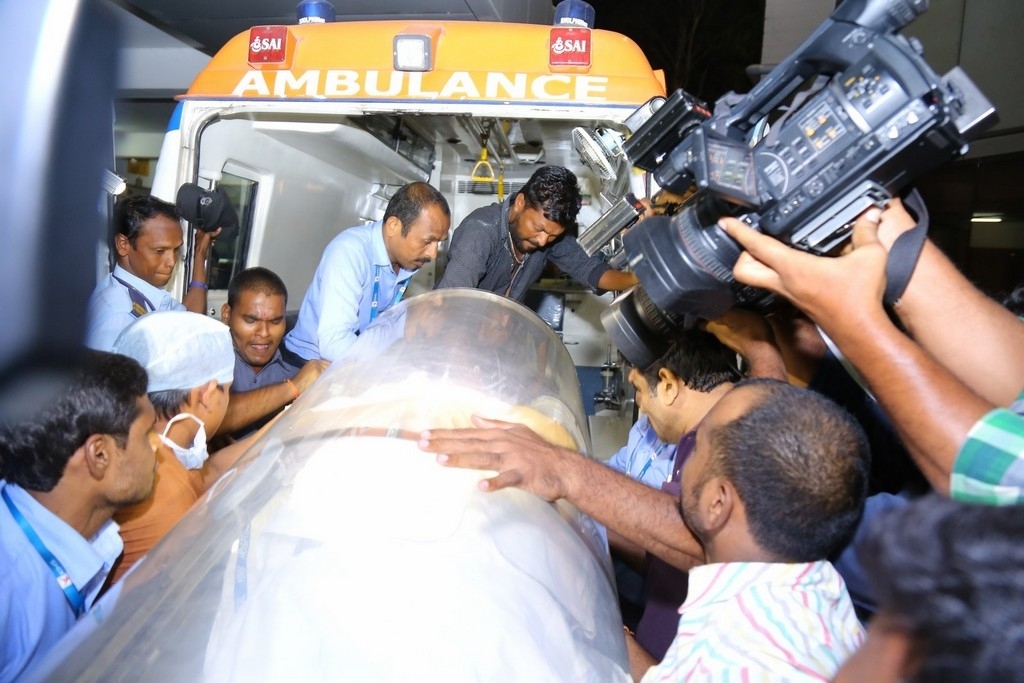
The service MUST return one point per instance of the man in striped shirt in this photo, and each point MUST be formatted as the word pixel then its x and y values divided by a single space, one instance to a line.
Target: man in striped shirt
pixel 775 484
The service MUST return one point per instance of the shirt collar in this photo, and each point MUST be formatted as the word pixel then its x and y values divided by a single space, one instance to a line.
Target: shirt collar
pixel 83 559
pixel 276 358
pixel 721 581
pixel 151 292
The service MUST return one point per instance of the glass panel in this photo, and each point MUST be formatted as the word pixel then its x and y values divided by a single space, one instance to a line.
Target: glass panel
pixel 229 254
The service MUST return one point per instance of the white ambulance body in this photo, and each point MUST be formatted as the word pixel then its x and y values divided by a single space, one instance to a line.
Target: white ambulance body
pixel 310 129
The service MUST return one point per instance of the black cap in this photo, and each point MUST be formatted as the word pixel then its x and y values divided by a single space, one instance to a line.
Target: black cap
pixel 208 209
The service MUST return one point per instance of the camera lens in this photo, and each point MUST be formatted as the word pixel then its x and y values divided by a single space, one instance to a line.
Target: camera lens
pixel 685 262
pixel 638 328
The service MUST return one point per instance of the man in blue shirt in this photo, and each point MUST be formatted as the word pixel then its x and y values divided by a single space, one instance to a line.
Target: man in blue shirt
pixel 264 382
pixel 63 473
pixel 365 270
pixel 148 242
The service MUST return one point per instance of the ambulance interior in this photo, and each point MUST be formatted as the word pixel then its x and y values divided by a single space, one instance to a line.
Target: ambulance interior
pixel 298 178
pixel 326 173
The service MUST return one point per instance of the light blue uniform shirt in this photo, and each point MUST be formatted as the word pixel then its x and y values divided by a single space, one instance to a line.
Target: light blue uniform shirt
pixel 34 611
pixel 645 457
pixel 339 301
pixel 110 307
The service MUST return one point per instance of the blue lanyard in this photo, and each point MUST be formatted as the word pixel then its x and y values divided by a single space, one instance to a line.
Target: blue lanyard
pixel 75 598
pixel 650 460
pixel 376 293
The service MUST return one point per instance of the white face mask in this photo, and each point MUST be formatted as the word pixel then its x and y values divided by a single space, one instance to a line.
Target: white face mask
pixel 194 456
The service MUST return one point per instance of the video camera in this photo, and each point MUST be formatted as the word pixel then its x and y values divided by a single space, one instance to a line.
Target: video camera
pixel 870 118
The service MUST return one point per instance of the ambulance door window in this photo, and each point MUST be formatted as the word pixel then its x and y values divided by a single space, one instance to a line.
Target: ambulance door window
pixel 229 254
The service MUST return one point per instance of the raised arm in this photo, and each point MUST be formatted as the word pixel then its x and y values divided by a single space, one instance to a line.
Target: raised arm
pixel 974 337
pixel 523 459
pixel 195 296
pixel 749 334
pixel 932 410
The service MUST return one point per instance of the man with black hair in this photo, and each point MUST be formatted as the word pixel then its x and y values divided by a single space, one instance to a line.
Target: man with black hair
pixel 63 474
pixel 147 240
pixel 264 382
pixel 364 271
pixel 674 394
pixel 503 248
pixel 947 575
pixel 775 485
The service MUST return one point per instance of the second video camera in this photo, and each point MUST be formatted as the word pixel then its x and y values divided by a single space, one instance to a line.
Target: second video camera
pixel 872 116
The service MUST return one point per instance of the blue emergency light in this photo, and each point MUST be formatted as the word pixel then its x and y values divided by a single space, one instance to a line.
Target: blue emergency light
pixel 574 13
pixel 314 12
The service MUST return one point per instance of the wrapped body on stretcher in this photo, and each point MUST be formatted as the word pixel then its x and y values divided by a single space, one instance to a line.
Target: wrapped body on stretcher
pixel 338 550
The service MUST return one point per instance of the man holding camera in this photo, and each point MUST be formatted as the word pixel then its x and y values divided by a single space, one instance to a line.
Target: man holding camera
pixel 953 391
pixel 148 242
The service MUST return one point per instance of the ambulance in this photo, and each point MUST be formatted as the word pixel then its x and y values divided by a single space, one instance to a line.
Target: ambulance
pixel 310 128
pixel 416 572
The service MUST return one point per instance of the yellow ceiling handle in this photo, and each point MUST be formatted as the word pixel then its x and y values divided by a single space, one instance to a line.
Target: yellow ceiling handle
pixel 482 172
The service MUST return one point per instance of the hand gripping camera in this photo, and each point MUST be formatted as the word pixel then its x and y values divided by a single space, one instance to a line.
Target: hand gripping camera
pixel 870 117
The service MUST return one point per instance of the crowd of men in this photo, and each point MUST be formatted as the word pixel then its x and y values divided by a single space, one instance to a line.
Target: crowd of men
pixel 754 498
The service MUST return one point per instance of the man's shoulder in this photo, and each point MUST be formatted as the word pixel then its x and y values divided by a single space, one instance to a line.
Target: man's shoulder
pixel 483 219
pixel 351 243
pixel 109 293
pixel 356 234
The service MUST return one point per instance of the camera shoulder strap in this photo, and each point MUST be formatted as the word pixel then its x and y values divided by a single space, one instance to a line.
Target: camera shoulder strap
pixel 905 250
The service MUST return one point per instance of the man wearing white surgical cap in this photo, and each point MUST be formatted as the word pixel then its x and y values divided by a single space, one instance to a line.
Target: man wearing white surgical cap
pixel 190 363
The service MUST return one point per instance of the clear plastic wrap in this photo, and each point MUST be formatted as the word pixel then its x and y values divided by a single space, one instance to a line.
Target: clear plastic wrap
pixel 338 550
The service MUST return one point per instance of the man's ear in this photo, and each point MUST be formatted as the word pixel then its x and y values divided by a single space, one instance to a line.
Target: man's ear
pixel 717 501
pixel 202 396
pixel 121 245
pixel 225 314
pixel 669 386
pixel 97 454
pixel 393 226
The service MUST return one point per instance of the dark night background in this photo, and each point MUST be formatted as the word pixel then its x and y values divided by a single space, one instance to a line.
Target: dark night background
pixel 704 46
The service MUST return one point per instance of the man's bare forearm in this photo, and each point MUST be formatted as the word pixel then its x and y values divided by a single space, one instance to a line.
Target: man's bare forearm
pixel 616 280
pixel 978 340
pixel 644 516
pixel 249 406
pixel 523 459
pixel 931 409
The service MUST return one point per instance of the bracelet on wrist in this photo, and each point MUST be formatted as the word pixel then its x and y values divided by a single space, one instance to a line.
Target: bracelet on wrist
pixel 197 283
pixel 295 389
